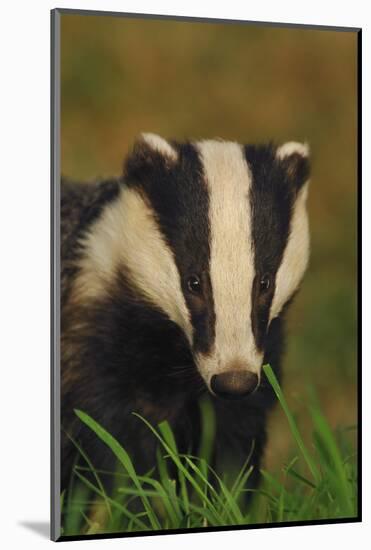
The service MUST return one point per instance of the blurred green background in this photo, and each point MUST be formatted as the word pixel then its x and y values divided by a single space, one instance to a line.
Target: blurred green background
pixel 246 83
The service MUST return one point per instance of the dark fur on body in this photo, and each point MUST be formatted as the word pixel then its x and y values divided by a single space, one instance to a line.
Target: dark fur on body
pixel 120 354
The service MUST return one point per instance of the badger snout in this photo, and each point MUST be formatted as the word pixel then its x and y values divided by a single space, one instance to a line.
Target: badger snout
pixel 234 384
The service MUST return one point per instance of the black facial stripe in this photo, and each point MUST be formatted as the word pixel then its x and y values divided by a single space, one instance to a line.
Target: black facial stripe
pixel 179 197
pixel 271 198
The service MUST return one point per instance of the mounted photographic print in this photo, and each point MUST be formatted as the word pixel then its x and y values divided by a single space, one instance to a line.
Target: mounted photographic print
pixel 204 234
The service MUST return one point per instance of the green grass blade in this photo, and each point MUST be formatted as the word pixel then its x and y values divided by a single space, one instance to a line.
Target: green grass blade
pixel 124 459
pixel 93 471
pixel 239 487
pixel 175 457
pixel 114 503
pixel 169 485
pixel 199 473
pixel 93 527
pixel 164 496
pixel 228 504
pixel 281 505
pixel 205 513
pixel 208 427
pixel 293 427
pixel 169 439
pixel 241 480
pixel 335 470
pixel 293 473
pixel 72 522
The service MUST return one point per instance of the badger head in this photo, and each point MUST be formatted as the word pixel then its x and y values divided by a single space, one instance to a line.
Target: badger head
pixel 215 234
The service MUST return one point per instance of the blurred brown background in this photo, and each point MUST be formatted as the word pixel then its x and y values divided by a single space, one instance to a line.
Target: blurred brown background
pixel 249 84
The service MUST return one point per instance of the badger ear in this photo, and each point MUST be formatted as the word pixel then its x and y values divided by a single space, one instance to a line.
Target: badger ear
pixel 157 144
pixel 150 153
pixel 294 158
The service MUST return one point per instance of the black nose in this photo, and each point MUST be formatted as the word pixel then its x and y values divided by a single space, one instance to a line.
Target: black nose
pixel 234 384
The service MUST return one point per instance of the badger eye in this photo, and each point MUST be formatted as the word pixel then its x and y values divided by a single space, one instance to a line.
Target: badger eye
pixel 194 284
pixel 265 282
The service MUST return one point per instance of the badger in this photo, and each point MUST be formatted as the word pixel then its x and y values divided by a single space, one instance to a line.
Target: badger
pixel 175 281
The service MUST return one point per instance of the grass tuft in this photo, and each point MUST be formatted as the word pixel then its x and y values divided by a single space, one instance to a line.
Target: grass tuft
pixel 184 491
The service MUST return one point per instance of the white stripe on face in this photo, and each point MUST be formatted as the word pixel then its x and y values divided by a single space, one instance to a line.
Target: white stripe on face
pixel 295 257
pixel 127 235
pixel 231 260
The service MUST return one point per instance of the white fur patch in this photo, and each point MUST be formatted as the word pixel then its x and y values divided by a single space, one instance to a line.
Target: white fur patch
pixel 157 143
pixel 127 235
pixel 291 147
pixel 295 257
pixel 232 259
